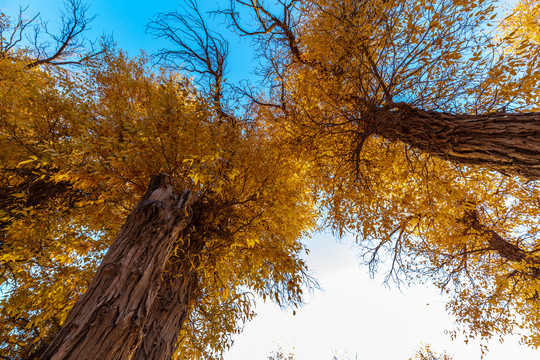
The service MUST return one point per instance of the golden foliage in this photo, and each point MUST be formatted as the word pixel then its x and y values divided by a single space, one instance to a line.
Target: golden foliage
pixel 425 353
pixel 473 232
pixel 94 138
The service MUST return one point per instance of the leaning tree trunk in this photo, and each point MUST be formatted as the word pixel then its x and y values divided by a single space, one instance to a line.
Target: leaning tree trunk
pixel 171 307
pixel 504 142
pixel 109 320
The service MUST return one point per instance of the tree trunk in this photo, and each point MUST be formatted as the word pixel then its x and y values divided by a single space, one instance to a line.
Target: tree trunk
pixel 170 309
pixel 109 319
pixel 504 142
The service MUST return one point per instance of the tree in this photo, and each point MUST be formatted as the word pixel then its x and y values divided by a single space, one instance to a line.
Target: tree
pixel 67 47
pixel 109 320
pixel 31 110
pixel 357 127
pixel 279 355
pixel 425 353
pixel 421 125
pixel 54 51
pixel 103 131
pixel 417 75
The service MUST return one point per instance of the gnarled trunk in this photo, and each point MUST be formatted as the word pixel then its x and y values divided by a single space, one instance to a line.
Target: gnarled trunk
pixel 109 320
pixel 171 307
pixel 166 316
pixel 504 142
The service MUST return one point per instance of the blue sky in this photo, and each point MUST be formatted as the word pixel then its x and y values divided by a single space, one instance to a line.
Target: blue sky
pixel 353 314
pixel 126 21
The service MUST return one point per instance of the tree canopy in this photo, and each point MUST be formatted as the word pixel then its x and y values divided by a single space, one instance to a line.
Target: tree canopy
pixel 419 118
pixel 82 146
pixel 410 124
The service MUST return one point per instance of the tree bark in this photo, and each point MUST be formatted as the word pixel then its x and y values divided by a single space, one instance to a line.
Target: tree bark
pixel 509 143
pixel 179 286
pixel 109 320
pixel 170 309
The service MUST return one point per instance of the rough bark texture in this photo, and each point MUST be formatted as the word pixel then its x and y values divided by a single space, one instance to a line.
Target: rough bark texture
pixel 504 142
pixel 169 311
pixel 109 320
pixel 180 280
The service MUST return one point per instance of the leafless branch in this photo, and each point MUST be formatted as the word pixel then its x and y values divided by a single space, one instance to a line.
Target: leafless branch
pixel 266 23
pixel 198 50
pixel 30 40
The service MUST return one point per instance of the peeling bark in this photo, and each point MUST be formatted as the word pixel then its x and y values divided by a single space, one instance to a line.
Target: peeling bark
pixel 171 307
pixel 109 320
pixel 509 143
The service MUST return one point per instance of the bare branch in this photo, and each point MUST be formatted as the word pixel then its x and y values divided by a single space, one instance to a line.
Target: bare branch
pixel 267 23
pixel 198 50
pixel 42 47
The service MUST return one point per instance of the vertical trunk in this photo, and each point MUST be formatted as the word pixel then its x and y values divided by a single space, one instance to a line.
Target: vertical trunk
pixel 109 319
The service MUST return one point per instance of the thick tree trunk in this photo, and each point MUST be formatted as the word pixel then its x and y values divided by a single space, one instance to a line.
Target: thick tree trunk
pixel 509 143
pixel 166 317
pixel 109 320
pixel 170 309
